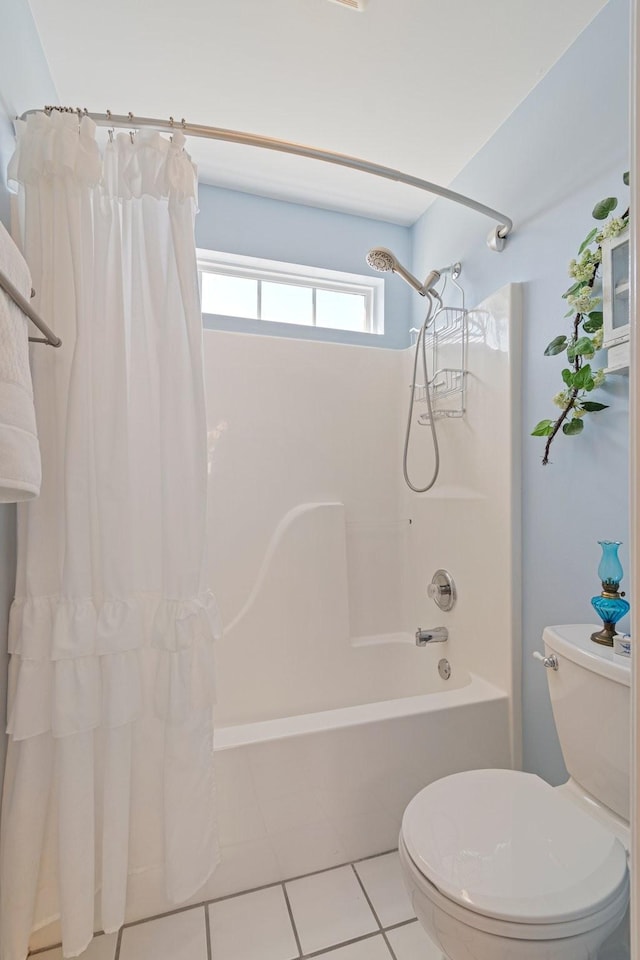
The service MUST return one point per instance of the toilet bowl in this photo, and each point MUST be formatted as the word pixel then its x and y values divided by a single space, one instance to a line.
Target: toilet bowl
pixel 499 865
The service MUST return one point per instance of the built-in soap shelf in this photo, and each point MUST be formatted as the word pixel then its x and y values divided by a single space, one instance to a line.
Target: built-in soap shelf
pixel 446 347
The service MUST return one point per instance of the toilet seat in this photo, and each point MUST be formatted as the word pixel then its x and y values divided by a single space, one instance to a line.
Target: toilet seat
pixel 508 848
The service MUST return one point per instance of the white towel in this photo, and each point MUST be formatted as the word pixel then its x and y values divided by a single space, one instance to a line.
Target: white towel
pixel 20 469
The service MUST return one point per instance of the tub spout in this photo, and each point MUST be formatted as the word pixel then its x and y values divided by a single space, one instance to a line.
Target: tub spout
pixel 432 635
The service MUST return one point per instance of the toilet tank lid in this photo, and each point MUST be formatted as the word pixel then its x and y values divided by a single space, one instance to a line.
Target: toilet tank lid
pixel 507 845
pixel 573 641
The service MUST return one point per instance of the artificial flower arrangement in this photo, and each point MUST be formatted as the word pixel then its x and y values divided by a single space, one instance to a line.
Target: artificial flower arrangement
pixel 585 338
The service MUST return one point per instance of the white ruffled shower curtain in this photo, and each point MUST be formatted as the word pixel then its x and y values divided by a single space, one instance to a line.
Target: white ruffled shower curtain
pixel 110 763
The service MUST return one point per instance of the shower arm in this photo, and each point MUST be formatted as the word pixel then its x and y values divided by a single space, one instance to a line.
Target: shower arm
pixel 495 240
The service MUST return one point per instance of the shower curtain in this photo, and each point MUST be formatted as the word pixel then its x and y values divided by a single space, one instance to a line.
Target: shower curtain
pixel 110 763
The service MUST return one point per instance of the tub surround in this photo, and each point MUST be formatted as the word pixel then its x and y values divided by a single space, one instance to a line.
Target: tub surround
pixel 321 558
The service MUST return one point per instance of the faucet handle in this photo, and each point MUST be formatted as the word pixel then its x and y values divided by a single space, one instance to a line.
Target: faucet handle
pixel 442 590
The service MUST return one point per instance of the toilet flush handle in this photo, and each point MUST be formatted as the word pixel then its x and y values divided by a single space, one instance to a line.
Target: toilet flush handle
pixel 550 662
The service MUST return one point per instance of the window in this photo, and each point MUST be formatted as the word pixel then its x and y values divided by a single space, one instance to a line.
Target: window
pixel 274 292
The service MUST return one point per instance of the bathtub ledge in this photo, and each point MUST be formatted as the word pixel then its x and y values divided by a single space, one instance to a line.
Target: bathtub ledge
pixel 477 690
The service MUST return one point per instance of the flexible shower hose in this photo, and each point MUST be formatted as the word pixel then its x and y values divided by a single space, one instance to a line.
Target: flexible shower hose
pixel 420 343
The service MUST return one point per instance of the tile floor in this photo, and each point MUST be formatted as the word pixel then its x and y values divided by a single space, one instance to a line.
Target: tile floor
pixel 359 911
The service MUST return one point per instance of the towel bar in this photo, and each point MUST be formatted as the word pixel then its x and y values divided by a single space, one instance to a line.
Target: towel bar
pixel 49 336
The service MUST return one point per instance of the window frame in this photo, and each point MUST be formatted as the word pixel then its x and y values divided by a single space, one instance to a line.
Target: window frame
pixel 299 275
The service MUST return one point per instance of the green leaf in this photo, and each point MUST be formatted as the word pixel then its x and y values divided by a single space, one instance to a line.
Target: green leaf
pixel 594 322
pixel 592 407
pixel 543 429
pixel 573 289
pixel 573 427
pixel 569 313
pixel 583 377
pixel 602 209
pixel 557 345
pixel 584 347
pixel 568 376
pixel 591 326
pixel 625 178
pixel 587 240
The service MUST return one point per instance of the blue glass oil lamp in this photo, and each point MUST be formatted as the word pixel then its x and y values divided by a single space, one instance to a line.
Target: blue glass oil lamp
pixel 609 605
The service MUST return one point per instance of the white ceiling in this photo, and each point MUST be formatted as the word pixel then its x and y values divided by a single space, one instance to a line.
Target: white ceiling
pixel 419 85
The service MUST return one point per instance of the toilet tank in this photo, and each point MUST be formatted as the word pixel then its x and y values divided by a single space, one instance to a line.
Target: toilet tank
pixel 591 700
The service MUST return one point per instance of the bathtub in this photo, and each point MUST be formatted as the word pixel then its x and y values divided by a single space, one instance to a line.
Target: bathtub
pixel 303 793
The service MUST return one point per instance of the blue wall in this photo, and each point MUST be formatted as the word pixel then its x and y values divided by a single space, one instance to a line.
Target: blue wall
pixel 25 82
pixel 564 148
pixel 242 223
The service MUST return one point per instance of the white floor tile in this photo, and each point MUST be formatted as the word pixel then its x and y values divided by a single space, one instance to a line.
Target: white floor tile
pixel 329 908
pixel 100 948
pixel 180 936
pixel 373 948
pixel 253 926
pixel 382 879
pixel 412 943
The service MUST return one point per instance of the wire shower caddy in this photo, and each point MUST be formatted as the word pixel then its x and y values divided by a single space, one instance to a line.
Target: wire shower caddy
pixel 446 346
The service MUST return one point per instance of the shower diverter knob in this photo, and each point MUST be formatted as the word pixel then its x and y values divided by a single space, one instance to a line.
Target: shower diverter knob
pixel 442 590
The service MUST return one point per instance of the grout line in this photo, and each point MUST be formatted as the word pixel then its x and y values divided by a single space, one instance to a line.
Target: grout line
pixel 388 943
pixel 58 946
pixel 292 919
pixel 116 955
pixel 167 913
pixel 373 910
pixel 337 946
pixel 366 896
pixel 348 863
pixel 402 923
pixel 207 929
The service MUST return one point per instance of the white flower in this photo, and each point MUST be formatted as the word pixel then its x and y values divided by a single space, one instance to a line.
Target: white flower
pixel 598 378
pixel 584 269
pixel 597 339
pixel 561 399
pixel 611 229
pixel 582 301
pixel 578 413
pixel 581 271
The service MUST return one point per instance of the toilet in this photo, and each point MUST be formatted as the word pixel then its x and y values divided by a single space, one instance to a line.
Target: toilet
pixel 502 866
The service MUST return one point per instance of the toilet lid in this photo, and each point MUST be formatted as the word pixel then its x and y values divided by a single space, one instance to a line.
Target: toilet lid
pixel 507 845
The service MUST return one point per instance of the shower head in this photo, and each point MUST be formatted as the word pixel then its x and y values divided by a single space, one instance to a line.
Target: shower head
pixel 384 260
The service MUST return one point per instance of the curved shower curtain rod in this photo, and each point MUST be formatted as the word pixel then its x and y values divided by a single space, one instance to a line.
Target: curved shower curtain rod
pixel 495 240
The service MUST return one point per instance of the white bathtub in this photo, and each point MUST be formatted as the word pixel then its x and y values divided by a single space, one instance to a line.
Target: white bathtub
pixel 303 793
